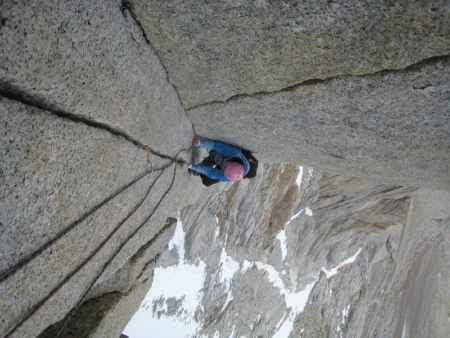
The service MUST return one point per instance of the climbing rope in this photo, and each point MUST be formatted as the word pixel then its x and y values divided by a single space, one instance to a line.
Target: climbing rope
pixel 105 266
pixel 72 226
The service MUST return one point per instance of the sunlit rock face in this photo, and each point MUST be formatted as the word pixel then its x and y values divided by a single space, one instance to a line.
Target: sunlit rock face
pixel 351 259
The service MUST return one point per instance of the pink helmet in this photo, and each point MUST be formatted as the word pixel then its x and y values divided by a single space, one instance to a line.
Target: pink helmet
pixel 234 171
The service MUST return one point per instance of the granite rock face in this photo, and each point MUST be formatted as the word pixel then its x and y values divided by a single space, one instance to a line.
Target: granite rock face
pixel 216 49
pixel 109 305
pixel 90 128
pixel 94 213
pixel 94 138
pixel 391 127
pixel 91 60
pixel 363 259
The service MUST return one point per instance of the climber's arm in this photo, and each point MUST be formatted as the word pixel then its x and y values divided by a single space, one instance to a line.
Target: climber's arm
pixel 215 174
pixel 220 147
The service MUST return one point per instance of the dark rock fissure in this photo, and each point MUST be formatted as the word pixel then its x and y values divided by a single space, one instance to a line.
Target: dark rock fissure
pixel 153 260
pixel 413 67
pixel 11 92
pixel 128 7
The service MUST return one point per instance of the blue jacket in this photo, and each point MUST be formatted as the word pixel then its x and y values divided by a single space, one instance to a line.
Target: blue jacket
pixel 223 153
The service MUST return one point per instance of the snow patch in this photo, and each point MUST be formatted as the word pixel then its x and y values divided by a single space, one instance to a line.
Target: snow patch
pixel 308 211
pixel 166 284
pixel 232 332
pixel 177 241
pixel 345 313
pixel 404 331
pixel 298 181
pixel 216 234
pixel 344 317
pixel 283 240
pixel 296 301
pixel 228 267
pixel 227 301
pixel 333 271
pixel 295 216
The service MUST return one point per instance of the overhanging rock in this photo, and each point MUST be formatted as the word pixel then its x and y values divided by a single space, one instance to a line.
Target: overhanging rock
pixel 216 49
pixel 391 127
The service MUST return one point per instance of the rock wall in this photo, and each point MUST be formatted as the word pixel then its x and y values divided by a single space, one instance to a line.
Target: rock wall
pixel 356 87
pixel 396 285
pixel 91 134
pixel 214 50
pixel 392 126
pixel 99 102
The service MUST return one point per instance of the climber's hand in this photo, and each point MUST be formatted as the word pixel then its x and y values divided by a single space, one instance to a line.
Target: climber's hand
pixel 190 166
pixel 196 143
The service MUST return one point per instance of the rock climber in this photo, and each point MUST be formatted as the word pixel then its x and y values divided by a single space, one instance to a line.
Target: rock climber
pixel 225 163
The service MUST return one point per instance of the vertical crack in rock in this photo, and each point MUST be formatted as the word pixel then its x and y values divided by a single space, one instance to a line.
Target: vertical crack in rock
pixel 412 67
pixel 128 7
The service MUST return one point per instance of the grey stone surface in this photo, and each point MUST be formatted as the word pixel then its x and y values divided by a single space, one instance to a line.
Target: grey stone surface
pixel 398 283
pixel 138 268
pixel 216 49
pixel 391 127
pixel 110 305
pixel 74 74
pixel 53 172
pixel 91 60
pixel 76 169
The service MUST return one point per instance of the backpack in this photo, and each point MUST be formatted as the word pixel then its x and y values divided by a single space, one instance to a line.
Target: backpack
pixel 253 163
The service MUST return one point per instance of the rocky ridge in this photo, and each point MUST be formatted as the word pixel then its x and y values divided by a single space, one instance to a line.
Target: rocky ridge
pixel 352 259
